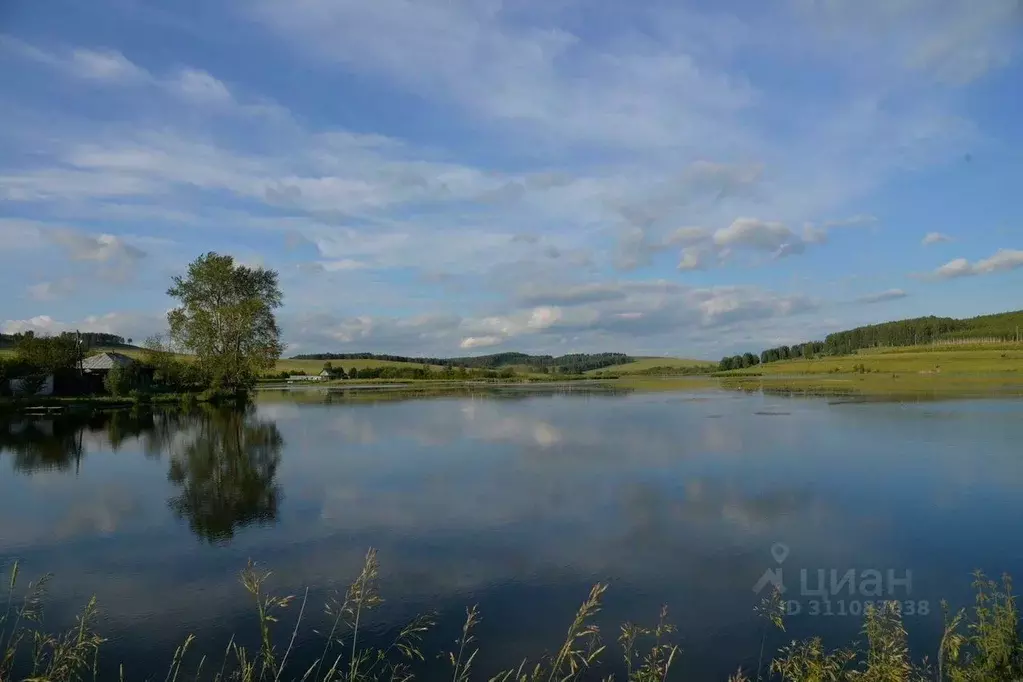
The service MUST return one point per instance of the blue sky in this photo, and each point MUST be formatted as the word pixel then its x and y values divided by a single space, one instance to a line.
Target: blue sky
pixel 443 177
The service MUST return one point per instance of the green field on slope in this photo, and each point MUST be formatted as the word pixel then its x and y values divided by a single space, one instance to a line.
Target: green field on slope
pixel 641 364
pixel 895 373
pixel 930 360
pixel 314 366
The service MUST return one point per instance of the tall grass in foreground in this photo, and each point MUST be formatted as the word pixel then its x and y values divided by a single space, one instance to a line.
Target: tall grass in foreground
pixel 980 644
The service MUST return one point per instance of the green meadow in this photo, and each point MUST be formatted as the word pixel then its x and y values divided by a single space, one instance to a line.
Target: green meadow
pixel 646 364
pixel 911 371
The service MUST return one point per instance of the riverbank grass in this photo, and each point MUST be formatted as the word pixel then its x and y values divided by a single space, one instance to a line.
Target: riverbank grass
pixel 979 644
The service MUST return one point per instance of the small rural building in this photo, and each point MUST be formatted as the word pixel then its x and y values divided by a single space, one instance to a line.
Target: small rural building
pixel 101 363
pixel 96 367
pixel 304 377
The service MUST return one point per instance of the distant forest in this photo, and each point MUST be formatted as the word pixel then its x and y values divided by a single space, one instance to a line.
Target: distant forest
pixel 562 364
pixel 89 339
pixel 913 332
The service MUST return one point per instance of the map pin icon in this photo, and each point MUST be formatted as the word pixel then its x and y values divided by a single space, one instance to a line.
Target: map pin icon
pixel 780 552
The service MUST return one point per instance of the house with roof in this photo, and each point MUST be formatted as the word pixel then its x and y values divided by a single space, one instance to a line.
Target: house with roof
pixel 101 363
pixel 96 367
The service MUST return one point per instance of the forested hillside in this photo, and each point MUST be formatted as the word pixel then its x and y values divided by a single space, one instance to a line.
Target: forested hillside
pixel 89 339
pixel 921 330
pixel 563 364
pixel 1000 327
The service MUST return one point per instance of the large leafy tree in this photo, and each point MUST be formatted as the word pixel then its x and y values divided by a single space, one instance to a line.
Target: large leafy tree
pixel 226 319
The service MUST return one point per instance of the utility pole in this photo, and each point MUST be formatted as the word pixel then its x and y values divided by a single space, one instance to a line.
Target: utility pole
pixel 78 350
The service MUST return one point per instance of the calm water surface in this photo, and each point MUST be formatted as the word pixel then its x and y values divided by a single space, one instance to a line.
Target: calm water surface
pixel 517 504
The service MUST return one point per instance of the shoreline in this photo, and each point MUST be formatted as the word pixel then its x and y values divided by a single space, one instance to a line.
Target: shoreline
pixel 871 387
pixel 62 403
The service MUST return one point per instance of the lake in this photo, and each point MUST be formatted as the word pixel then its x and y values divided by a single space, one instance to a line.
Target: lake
pixel 518 503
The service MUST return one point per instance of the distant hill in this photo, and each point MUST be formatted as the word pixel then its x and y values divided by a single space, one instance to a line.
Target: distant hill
pixel 652 365
pixel 997 328
pixel 563 364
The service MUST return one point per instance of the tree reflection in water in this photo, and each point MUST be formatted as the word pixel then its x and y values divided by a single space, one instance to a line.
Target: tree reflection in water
pixel 227 472
pixel 222 460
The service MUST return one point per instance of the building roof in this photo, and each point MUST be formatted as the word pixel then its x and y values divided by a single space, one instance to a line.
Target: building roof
pixel 107 360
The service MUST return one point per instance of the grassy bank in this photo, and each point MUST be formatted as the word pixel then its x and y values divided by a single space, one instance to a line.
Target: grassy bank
pixel 979 644
pixel 921 371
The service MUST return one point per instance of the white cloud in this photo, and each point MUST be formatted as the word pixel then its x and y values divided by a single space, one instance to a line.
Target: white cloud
pixel 955 268
pixel 480 341
pixel 202 87
pixel 41 324
pixel 1003 260
pixel 948 41
pixel 103 248
pixel 106 65
pixel 594 292
pixel 687 236
pixel 518 74
pixel 544 317
pixel 102 64
pixel 342 264
pixel 882 296
pixel 755 234
pixel 18 234
pixel 49 291
pixel 692 259
pixel 189 85
pixel 124 324
pixel 935 238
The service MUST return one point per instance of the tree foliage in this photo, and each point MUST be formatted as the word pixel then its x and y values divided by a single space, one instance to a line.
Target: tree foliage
pixel 170 372
pixel 738 362
pixel 47 354
pixel 117 382
pixel 226 319
pixel 120 381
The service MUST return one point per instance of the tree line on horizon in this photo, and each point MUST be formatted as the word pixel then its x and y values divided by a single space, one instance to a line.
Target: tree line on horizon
pixel 910 332
pixel 88 339
pixel 573 363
